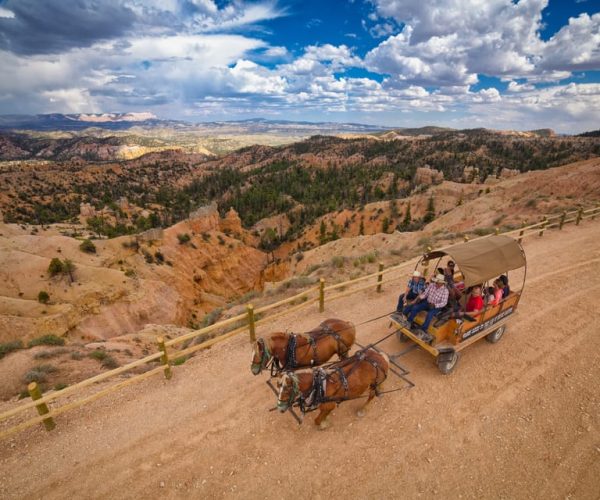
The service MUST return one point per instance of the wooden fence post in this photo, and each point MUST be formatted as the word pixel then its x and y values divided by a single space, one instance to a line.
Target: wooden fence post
pixel 466 238
pixel 251 323
pixel 594 213
pixel 562 220
pixel 380 277
pixel 322 295
pixel 497 231
pixel 164 359
pixel 579 215
pixel 36 393
pixel 544 224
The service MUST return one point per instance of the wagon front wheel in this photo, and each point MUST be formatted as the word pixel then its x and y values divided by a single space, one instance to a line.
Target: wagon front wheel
pixel 496 335
pixel 447 364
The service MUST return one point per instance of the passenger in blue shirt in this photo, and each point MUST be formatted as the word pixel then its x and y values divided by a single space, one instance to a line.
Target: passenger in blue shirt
pixel 414 287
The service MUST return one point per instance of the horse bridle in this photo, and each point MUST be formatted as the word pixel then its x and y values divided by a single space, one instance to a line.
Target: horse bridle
pixel 294 393
pixel 265 358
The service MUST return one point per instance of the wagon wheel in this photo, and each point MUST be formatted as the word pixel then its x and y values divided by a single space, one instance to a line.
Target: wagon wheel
pixel 496 335
pixel 447 365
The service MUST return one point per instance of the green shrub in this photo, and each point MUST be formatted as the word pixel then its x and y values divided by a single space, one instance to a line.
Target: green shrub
pixel 38 373
pixel 130 273
pixel 482 231
pixel 50 354
pixel 424 242
pixel 179 361
pixel 87 246
pixel 60 386
pixel 76 355
pixel 212 317
pixel 183 238
pixel 206 236
pixel 311 269
pixel 221 240
pixel 8 347
pixel 147 256
pixel 43 297
pixel 498 220
pixel 98 354
pixel 248 296
pixel 55 267
pixel 131 244
pixel 338 261
pixel 160 258
pixel 47 340
pixel 109 362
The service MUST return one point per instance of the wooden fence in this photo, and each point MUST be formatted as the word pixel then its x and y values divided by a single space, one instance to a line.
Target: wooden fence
pixel 240 323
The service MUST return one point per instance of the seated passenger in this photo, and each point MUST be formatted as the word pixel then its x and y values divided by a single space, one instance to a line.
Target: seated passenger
pixel 449 273
pixel 490 297
pixel 498 293
pixel 473 306
pixel 475 303
pixel 505 288
pixel 414 287
pixel 432 300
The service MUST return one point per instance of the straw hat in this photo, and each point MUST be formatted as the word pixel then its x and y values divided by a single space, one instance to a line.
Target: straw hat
pixel 438 278
pixel 416 274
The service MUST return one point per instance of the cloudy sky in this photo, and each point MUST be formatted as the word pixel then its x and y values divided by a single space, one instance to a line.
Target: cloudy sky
pixel 519 64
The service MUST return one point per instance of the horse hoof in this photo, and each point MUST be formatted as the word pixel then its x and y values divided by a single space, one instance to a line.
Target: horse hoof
pixel 323 425
pixel 361 413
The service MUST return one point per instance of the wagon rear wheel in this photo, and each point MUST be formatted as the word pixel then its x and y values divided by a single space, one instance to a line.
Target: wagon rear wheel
pixel 447 364
pixel 496 335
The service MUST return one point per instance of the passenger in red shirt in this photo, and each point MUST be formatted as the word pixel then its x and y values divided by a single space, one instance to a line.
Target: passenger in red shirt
pixel 475 302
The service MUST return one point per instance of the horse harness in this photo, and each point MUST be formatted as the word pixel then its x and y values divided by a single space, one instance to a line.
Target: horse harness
pixel 291 363
pixel 317 395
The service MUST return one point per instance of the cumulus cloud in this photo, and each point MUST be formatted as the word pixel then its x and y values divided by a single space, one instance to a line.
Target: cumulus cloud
pixel 451 42
pixel 54 26
pixel 203 57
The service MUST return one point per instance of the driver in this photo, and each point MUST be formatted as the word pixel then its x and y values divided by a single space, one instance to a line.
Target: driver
pixel 432 300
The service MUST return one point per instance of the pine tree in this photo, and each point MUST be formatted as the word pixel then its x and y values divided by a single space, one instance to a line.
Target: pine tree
pixel 385 225
pixel 393 209
pixel 322 233
pixel 407 219
pixel 69 269
pixel 430 214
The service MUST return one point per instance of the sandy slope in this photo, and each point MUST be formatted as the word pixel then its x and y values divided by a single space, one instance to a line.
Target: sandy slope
pixel 519 419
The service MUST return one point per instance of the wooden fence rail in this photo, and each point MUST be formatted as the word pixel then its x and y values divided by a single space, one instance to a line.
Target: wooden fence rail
pixel 248 321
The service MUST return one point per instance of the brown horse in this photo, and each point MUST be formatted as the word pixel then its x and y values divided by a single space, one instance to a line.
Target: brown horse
pixel 324 388
pixel 288 351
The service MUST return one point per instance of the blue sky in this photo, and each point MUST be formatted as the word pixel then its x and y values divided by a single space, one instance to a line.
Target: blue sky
pixel 502 64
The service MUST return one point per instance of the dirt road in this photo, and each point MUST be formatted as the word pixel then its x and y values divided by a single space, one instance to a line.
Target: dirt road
pixel 518 419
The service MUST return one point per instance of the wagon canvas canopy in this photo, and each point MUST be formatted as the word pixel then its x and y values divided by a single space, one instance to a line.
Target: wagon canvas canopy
pixel 485 258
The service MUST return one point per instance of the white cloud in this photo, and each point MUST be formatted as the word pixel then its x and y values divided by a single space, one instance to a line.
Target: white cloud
pixel 576 46
pixel 451 42
pixel 518 87
pixel 7 14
